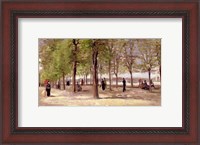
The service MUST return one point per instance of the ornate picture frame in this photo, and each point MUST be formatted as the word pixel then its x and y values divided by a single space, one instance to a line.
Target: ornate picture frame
pixel 12 10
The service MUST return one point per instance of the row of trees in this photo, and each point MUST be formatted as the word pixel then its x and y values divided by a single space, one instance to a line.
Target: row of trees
pixel 72 57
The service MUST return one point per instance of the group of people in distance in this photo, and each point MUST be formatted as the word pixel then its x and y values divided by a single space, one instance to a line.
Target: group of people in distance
pixel 103 84
pixel 48 86
pixel 58 84
pixel 144 85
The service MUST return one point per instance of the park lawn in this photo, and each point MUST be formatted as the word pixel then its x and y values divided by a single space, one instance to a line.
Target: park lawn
pixel 115 97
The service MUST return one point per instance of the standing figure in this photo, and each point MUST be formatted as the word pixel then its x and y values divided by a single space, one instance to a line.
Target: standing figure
pixel 58 85
pixel 82 82
pixel 68 83
pixel 48 89
pixel 124 85
pixel 103 85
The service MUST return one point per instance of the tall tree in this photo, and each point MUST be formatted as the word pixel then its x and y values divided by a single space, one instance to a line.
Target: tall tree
pixel 47 47
pixel 95 53
pixel 129 57
pixel 75 43
pixel 109 55
pixel 109 58
pixel 61 61
pixel 148 55
pixel 117 54
pixel 85 58
pixel 97 46
pixel 158 53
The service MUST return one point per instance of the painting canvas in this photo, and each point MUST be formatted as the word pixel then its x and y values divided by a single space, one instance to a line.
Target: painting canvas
pixel 99 72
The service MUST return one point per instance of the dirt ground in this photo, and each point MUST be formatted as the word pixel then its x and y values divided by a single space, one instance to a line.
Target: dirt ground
pixel 131 97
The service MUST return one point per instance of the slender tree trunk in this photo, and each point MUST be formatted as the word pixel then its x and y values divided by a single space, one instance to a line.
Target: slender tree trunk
pixel 116 67
pixel 100 75
pixel 116 75
pixel 149 70
pixel 74 77
pixel 95 84
pixel 131 78
pixel 63 77
pixel 95 73
pixel 86 79
pixel 59 83
pixel 160 73
pixel 91 79
pixel 110 81
pixel 75 42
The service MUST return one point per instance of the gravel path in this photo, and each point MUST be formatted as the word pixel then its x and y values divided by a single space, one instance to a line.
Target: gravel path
pixel 132 97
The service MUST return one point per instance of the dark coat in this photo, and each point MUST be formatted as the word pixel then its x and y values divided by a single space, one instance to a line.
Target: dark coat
pixel 48 89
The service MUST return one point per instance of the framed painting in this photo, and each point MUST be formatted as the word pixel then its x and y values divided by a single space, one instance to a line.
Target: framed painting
pixel 100 72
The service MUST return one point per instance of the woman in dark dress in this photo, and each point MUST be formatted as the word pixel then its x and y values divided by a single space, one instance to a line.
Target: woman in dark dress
pixel 103 85
pixel 48 89
pixel 124 85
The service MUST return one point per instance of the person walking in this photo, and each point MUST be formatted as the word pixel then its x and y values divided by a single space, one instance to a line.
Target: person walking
pixel 124 85
pixel 103 85
pixel 48 89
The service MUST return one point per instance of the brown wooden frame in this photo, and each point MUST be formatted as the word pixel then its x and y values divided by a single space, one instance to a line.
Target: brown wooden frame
pixel 12 10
